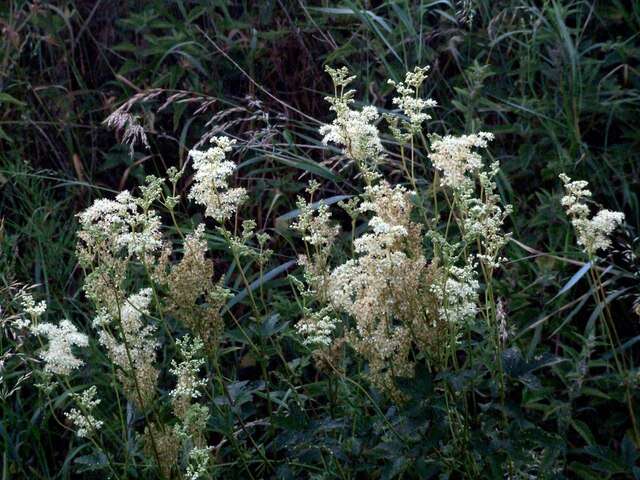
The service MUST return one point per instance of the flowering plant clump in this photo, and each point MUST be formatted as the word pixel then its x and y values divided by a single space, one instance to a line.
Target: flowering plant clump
pixel 210 187
pixel 593 233
pixel 353 130
pixel 203 357
pixel 84 421
pixel 58 355
pixel 122 242
pixel 395 294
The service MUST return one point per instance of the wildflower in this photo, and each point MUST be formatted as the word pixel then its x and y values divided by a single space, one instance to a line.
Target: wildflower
pixel 319 232
pixel 458 290
pixel 593 233
pixel 133 349
pixel 59 357
pixel 483 218
pixel 110 226
pixel 315 224
pixel 411 105
pixel 193 417
pixel 317 327
pixel 31 308
pixel 356 132
pixel 454 157
pixel 190 281
pixel 83 419
pixel 353 130
pixel 379 285
pixel 211 188
pixel 187 373
pixel 198 463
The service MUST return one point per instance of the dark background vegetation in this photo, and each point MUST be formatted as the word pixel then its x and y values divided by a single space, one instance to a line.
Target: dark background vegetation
pixel 558 82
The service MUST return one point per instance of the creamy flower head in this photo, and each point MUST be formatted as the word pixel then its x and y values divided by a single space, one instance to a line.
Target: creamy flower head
pixel 32 311
pixel 211 180
pixel 59 357
pixel 132 346
pixel 121 225
pixel 454 156
pixel 353 130
pixel 356 132
pixel 593 233
pixel 317 327
pixel 459 291
pixel 84 421
pixel 408 100
pixel 31 308
pixel 186 371
pixel 315 224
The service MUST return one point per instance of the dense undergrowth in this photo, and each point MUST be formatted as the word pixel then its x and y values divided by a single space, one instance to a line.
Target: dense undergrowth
pixel 456 323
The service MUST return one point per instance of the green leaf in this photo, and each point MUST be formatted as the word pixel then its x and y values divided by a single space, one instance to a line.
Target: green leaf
pixel 6 98
pixel 584 431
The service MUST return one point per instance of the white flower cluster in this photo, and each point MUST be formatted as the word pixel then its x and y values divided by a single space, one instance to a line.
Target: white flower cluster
pixel 358 286
pixel 353 130
pixel 482 218
pixel 357 133
pixel 376 287
pixel 454 157
pixel 133 350
pixel 198 463
pixel 315 224
pixel 187 370
pixel 317 327
pixel 459 294
pixel 411 105
pixel 211 180
pixel 593 233
pixel 118 224
pixel 319 233
pixel 480 213
pixel 59 357
pixel 31 309
pixel 193 417
pixel 86 424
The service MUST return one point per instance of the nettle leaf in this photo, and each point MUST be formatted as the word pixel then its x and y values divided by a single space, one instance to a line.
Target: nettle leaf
pixel 91 463
pixel 513 362
pixel 629 451
pixel 272 325
pixel 518 368
pixel 394 469
pixel 240 392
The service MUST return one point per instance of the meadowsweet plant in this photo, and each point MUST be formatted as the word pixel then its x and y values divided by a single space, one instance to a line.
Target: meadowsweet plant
pixel 355 131
pixel 408 283
pixel 83 420
pixel 193 417
pixel 201 357
pixel 210 187
pixel 593 236
pixel 592 233
pixel 58 355
pixel 140 288
pixel 32 309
